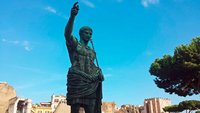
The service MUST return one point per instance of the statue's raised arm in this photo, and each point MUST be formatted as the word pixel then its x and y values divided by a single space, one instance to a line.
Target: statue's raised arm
pixel 69 26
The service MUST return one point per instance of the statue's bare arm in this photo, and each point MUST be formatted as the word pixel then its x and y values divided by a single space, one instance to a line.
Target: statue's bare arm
pixel 69 26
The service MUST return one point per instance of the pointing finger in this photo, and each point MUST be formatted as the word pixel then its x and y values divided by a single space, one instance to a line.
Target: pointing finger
pixel 75 4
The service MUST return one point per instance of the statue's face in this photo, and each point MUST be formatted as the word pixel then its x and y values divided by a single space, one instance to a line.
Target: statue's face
pixel 86 35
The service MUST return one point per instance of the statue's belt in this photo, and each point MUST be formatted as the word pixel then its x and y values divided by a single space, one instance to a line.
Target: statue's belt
pixel 93 76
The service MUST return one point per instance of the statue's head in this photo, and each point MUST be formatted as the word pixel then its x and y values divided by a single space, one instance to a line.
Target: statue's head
pixel 85 33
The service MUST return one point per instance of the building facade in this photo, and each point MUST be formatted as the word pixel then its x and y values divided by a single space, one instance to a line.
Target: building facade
pixel 42 108
pixel 49 107
pixel 19 105
pixel 56 99
pixel 155 105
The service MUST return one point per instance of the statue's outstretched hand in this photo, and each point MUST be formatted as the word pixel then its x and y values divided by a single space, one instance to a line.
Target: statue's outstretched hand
pixel 74 10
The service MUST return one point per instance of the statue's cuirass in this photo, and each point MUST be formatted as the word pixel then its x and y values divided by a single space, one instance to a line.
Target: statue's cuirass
pixel 83 59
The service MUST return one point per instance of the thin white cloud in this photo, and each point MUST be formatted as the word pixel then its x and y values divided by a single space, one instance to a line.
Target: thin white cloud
pixel 22 87
pixel 146 3
pixel 33 70
pixel 15 42
pixel 88 3
pixel 109 69
pixel 50 9
pixel 107 75
pixel 10 41
pixel 3 40
pixel 62 15
pixel 25 44
pixel 54 11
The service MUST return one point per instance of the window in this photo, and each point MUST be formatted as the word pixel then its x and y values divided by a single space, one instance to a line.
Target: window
pixel 39 111
pixel 56 100
pixel 46 111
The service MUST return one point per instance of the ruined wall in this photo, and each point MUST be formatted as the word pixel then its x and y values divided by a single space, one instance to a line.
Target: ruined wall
pixel 129 109
pixel 62 108
pixel 6 93
pixel 108 107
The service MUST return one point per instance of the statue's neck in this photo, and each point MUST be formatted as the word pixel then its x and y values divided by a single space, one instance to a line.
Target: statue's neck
pixel 84 43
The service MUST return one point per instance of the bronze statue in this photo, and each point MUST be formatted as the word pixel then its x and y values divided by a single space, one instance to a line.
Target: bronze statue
pixel 84 79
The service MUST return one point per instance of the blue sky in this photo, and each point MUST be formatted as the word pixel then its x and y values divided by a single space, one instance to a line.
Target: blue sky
pixel 128 36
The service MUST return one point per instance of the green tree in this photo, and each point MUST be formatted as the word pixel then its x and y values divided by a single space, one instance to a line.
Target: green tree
pixel 173 108
pixel 180 73
pixel 188 106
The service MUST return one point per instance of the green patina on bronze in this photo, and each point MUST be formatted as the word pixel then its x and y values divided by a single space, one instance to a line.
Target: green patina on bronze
pixel 84 79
